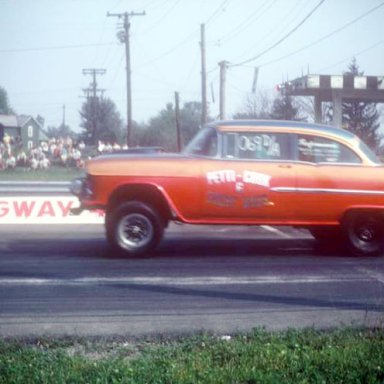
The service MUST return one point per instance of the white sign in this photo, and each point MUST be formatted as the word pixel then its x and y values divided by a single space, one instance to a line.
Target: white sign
pixel 45 210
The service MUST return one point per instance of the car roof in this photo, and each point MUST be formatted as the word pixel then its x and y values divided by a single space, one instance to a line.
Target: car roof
pixel 238 125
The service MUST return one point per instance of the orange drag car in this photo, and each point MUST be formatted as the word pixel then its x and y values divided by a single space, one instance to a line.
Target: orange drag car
pixel 243 172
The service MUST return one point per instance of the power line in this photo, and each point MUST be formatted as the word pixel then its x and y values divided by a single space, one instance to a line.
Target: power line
pixel 244 24
pixel 283 38
pixel 164 16
pixel 324 37
pixel 216 12
pixel 189 37
pixel 57 47
pixel 351 56
pixel 276 29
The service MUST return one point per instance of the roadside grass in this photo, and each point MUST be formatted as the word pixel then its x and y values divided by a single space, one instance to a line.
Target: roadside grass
pixel 54 173
pixel 307 356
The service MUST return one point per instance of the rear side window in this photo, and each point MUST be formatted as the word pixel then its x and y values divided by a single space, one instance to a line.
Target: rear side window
pixel 321 150
pixel 256 145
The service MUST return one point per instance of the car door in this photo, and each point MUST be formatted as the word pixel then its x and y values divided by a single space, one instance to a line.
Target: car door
pixel 330 178
pixel 243 184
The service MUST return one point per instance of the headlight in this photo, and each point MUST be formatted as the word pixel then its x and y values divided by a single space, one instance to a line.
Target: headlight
pixel 77 187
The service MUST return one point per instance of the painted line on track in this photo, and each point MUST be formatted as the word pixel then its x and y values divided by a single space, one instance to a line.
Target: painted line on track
pixel 276 231
pixel 182 281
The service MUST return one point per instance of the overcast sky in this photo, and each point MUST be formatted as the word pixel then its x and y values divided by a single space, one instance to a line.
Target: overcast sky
pixel 45 45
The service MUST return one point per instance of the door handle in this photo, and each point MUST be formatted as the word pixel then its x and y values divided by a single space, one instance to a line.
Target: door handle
pixel 285 166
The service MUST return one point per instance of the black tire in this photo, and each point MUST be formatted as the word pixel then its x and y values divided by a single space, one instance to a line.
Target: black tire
pixel 134 228
pixel 364 233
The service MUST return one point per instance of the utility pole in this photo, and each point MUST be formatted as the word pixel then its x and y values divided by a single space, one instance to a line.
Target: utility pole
pixel 63 124
pixel 177 117
pixel 223 71
pixel 94 72
pixel 203 77
pixel 93 90
pixel 124 38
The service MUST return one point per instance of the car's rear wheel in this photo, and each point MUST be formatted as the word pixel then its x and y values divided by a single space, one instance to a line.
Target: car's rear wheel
pixel 365 233
pixel 134 228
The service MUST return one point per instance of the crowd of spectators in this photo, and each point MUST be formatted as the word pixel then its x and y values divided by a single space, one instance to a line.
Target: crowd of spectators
pixel 61 152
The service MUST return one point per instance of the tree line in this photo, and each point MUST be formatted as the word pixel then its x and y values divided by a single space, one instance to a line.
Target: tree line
pixel 101 121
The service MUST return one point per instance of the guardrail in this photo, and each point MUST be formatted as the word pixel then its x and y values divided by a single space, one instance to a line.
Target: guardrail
pixel 35 188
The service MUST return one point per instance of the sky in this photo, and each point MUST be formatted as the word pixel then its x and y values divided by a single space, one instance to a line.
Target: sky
pixel 46 44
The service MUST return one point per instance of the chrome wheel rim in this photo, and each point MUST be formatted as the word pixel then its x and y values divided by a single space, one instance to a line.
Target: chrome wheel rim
pixel 135 231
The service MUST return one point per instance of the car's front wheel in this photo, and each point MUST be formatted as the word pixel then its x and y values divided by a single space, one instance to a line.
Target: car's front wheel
pixel 365 233
pixel 134 228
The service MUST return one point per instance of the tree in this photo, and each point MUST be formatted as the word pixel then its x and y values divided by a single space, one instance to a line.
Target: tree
pixel 306 107
pixel 100 120
pixel 62 131
pixel 255 106
pixel 5 108
pixel 361 118
pixel 283 108
pixel 161 130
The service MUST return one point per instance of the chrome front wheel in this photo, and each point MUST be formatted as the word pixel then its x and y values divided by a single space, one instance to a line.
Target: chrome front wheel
pixel 134 228
pixel 134 231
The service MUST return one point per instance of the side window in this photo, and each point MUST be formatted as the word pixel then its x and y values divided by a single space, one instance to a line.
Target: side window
pixel 320 150
pixel 30 131
pixel 205 143
pixel 256 145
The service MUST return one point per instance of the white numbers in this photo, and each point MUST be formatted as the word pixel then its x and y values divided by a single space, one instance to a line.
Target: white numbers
pixel 265 145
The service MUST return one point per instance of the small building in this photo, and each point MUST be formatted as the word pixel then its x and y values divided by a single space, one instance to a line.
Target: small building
pixel 22 127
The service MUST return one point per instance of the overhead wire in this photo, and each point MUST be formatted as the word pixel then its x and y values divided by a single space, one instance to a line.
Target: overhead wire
pixel 244 24
pixel 171 50
pixel 163 17
pixel 277 28
pixel 351 56
pixel 57 47
pixel 216 12
pixel 324 37
pixel 283 38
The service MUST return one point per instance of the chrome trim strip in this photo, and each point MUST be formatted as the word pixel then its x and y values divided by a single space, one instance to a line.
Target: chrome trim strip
pixel 327 190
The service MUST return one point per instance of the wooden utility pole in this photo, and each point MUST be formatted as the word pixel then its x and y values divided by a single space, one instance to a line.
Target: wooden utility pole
pixel 124 38
pixel 63 124
pixel 177 118
pixel 223 69
pixel 94 72
pixel 203 77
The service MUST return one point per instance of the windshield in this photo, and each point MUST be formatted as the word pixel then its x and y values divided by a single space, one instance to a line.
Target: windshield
pixel 203 144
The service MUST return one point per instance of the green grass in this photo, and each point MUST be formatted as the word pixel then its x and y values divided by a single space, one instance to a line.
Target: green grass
pixel 309 356
pixel 55 173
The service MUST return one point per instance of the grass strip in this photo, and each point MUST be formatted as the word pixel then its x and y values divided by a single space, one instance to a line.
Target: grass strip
pixel 55 173
pixel 308 356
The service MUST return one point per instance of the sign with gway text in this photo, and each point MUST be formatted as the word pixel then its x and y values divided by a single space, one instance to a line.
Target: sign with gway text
pixel 45 210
